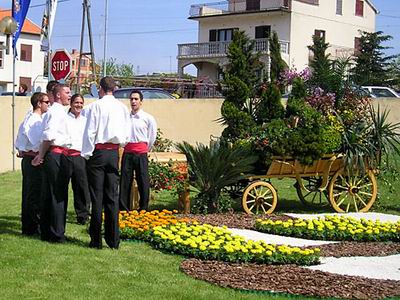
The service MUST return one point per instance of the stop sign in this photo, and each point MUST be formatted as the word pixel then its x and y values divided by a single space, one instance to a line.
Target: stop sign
pixel 60 64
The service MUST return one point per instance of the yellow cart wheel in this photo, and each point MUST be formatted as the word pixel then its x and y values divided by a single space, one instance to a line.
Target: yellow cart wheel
pixel 259 197
pixel 354 193
pixel 312 195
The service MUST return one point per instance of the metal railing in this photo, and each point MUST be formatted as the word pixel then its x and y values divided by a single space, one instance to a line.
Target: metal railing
pixel 220 49
pixel 235 6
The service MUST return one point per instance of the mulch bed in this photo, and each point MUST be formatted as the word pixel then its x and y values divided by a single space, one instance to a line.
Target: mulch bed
pixel 292 279
pixel 289 279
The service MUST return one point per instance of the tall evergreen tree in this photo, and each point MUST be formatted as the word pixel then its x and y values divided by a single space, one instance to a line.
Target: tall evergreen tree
pixel 240 86
pixel 320 64
pixel 371 64
pixel 277 63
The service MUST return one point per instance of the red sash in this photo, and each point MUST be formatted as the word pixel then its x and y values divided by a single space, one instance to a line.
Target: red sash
pixel 136 148
pixel 72 152
pixel 58 149
pixel 29 153
pixel 107 146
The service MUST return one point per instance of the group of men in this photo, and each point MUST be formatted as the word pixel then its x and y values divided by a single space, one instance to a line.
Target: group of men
pixel 56 146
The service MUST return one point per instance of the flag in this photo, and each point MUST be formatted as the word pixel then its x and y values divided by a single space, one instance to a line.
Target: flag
pixel 19 11
pixel 47 24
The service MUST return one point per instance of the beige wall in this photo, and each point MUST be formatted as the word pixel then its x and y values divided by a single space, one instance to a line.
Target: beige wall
pixel 180 120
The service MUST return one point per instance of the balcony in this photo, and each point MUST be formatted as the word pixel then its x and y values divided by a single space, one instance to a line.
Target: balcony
pixel 220 49
pixel 237 6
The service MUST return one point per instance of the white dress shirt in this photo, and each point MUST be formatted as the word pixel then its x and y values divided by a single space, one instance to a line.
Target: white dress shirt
pixel 55 128
pixel 107 122
pixel 29 133
pixel 143 128
pixel 76 126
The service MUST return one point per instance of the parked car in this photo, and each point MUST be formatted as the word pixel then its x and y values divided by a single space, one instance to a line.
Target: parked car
pixel 380 92
pixel 148 93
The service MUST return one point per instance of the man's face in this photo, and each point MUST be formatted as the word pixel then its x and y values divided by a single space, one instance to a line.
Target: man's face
pixel 65 96
pixel 136 103
pixel 44 104
pixel 77 106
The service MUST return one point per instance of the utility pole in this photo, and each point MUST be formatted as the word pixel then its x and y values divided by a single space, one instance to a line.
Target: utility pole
pixel 105 38
pixel 86 17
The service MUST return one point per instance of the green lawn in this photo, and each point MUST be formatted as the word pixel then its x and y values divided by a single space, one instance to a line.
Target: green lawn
pixel 32 269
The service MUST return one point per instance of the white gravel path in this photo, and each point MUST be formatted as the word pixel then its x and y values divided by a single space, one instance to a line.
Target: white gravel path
pixel 386 267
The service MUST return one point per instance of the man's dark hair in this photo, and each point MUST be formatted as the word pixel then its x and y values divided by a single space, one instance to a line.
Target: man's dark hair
pixel 36 98
pixel 76 96
pixel 58 87
pixel 24 86
pixel 107 84
pixel 137 92
pixel 50 86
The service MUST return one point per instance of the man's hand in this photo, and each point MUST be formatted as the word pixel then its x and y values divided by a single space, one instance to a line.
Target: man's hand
pixel 37 161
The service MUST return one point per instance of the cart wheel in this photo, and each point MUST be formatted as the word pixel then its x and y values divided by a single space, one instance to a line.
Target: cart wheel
pixel 314 197
pixel 259 197
pixel 352 193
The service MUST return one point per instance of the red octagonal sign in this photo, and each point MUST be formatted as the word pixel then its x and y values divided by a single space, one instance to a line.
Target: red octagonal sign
pixel 60 64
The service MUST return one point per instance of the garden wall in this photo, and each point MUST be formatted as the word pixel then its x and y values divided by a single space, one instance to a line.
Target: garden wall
pixel 191 120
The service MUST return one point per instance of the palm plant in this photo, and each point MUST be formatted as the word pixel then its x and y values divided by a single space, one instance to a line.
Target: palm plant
pixel 213 168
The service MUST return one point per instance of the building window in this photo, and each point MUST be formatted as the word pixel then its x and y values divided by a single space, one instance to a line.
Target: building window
pixel 357 45
pixel 1 55
pixel 359 8
pixel 313 2
pixel 320 33
pixel 339 7
pixel 27 81
pixel 84 62
pixel 262 32
pixel 221 35
pixel 26 52
pixel 252 4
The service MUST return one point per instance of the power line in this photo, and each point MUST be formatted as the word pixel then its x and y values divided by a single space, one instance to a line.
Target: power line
pixel 137 32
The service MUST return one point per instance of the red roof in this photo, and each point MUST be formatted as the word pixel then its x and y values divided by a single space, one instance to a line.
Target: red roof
pixel 29 26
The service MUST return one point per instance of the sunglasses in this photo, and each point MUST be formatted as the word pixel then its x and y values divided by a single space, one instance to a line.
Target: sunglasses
pixel 47 102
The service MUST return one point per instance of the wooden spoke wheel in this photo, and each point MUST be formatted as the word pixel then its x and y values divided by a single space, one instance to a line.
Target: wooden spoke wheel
pixel 352 193
pixel 313 196
pixel 259 197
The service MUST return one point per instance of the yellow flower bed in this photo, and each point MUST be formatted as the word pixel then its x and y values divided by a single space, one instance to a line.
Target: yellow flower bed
pixel 137 224
pixel 166 231
pixel 334 228
pixel 218 243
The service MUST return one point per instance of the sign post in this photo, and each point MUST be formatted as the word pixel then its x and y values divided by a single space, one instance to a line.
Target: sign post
pixel 60 64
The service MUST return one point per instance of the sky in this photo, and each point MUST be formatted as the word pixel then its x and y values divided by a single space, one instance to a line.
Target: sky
pixel 146 33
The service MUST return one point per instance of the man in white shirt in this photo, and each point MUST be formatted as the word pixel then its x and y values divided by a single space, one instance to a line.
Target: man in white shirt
pixel 74 164
pixel 106 130
pixel 55 141
pixel 27 144
pixel 143 132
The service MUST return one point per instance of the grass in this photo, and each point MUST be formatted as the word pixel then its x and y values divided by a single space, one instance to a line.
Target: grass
pixel 32 269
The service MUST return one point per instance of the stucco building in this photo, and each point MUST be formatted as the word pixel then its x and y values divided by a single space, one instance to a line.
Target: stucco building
pixel 295 21
pixel 30 61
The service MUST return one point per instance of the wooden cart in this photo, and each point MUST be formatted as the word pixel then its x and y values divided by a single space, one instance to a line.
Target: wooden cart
pixel 325 178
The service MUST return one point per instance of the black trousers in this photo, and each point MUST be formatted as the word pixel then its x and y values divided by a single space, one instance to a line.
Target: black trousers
pixel 103 177
pixel 74 168
pixel 31 195
pixel 137 163
pixel 54 202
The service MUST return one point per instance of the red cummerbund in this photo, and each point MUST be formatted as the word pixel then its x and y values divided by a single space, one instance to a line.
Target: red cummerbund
pixel 29 153
pixel 136 148
pixel 72 152
pixel 58 149
pixel 107 146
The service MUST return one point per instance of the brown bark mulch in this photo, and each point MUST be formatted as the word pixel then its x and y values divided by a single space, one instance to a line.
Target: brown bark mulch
pixel 289 279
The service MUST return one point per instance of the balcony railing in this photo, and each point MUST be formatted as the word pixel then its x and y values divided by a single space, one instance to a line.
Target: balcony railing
pixel 220 49
pixel 236 6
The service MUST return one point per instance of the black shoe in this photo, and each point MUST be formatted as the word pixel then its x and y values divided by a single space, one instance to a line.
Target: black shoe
pixel 95 245
pixel 82 220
